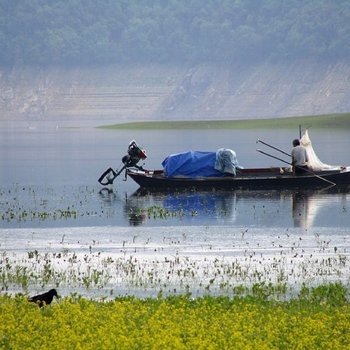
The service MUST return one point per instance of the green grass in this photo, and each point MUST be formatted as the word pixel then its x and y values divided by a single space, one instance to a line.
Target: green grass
pixel 335 121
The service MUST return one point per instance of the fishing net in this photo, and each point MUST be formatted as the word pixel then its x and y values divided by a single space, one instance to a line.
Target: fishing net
pixel 314 162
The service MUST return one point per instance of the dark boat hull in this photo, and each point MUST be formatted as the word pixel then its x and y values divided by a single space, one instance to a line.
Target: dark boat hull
pixel 269 178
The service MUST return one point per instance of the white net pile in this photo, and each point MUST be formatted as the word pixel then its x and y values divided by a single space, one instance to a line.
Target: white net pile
pixel 314 162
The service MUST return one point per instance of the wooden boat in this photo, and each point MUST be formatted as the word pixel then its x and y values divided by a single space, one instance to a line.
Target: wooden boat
pixel 260 178
pixel 199 172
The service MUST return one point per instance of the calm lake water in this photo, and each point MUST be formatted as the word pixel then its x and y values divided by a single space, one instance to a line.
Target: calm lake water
pixel 48 168
pixel 51 202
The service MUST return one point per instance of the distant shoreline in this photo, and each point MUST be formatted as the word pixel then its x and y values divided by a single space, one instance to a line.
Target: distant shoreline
pixel 331 121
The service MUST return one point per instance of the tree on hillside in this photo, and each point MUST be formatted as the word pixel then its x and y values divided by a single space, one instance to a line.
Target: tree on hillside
pixel 75 32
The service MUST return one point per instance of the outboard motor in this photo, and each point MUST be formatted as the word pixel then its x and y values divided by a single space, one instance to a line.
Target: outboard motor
pixel 135 154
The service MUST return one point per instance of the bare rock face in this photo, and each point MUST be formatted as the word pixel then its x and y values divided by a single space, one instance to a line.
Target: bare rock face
pixel 161 92
pixel 264 91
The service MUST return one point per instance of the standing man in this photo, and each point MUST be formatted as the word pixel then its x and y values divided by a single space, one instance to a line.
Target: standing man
pixel 299 158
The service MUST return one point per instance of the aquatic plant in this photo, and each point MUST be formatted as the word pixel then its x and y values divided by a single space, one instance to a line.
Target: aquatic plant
pixel 155 212
pixel 24 204
pixel 138 265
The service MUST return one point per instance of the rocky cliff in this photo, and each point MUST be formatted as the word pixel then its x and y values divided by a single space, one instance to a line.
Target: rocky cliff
pixel 155 92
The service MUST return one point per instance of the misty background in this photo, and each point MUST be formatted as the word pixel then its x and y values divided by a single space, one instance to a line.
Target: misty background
pixel 177 59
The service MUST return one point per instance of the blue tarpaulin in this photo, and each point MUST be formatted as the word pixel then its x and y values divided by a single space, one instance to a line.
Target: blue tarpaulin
pixel 206 164
pixel 191 164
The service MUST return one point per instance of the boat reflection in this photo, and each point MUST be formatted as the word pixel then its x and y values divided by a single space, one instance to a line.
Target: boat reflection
pixel 132 210
pixel 107 195
pixel 310 209
pixel 240 208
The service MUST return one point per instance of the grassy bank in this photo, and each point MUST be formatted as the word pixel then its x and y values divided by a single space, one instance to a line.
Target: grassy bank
pixel 317 319
pixel 336 121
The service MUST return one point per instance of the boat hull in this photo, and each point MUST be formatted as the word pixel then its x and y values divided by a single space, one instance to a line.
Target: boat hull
pixel 266 179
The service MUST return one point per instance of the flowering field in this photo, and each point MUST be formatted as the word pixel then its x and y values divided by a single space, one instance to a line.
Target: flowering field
pixel 318 319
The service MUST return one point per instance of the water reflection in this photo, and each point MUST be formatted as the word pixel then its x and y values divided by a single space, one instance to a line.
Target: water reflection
pixel 300 210
pixel 111 199
pixel 312 207
pixel 304 209
pixel 132 210
pixel 107 195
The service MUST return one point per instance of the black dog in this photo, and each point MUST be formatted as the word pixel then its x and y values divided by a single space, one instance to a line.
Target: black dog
pixel 44 299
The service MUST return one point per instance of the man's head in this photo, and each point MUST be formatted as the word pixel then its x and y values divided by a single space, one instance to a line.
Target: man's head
pixel 296 142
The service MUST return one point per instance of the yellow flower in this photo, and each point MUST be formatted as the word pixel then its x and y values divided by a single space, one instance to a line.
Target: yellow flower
pixel 173 323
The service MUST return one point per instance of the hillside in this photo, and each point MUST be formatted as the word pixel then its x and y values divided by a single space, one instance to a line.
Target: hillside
pixel 118 61
pixel 164 92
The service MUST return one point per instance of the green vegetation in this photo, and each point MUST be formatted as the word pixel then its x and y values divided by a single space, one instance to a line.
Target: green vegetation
pixel 337 121
pixel 94 32
pixel 23 204
pixel 318 320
